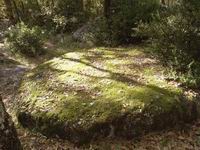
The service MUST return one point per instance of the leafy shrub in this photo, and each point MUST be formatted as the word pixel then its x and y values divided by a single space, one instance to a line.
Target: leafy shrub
pixel 176 35
pixel 124 18
pixel 25 40
pixel 101 33
pixel 95 32
pixel 121 26
pixel 127 14
pixel 56 15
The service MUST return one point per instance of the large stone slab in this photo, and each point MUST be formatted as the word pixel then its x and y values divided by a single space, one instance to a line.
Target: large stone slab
pixel 101 92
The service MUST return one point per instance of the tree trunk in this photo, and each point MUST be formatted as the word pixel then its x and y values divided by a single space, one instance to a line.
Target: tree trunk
pixel 9 10
pixel 17 12
pixel 163 2
pixel 107 5
pixel 8 135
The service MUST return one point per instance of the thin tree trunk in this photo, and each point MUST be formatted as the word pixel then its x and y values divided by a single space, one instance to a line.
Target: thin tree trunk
pixel 9 10
pixel 8 134
pixel 107 5
pixel 163 2
pixel 16 11
pixel 107 15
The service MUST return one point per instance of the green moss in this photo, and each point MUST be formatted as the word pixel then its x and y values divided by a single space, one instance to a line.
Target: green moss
pixel 96 86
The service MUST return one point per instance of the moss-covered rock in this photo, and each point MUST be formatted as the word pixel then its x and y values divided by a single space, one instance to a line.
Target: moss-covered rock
pixel 101 92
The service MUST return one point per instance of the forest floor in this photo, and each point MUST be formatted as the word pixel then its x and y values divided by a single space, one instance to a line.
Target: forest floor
pixel 11 72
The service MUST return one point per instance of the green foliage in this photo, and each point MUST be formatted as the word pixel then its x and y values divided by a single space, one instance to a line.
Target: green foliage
pixel 120 27
pixel 93 8
pixel 127 14
pixel 175 33
pixel 2 10
pixel 57 15
pixel 25 40
pixel 100 32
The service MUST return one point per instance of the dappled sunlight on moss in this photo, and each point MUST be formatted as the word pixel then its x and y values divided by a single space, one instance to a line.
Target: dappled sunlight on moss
pixel 73 78
pixel 83 89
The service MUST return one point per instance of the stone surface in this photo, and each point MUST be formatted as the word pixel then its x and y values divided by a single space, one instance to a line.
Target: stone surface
pixel 101 92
